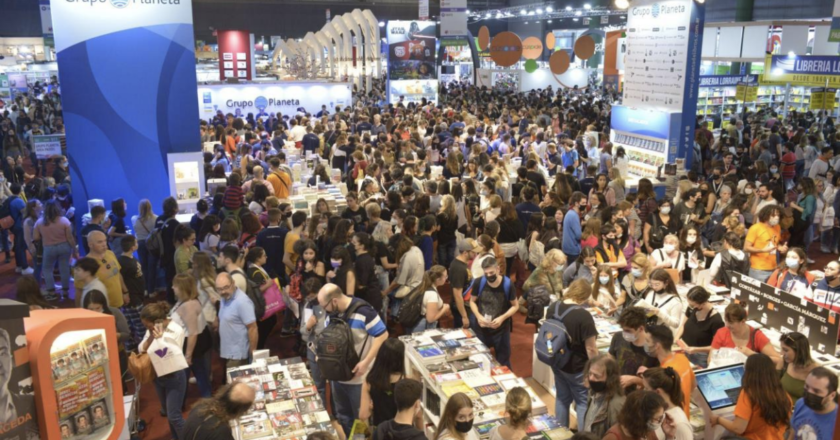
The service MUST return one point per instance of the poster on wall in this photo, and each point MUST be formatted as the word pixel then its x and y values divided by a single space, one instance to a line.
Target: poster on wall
pixel 16 389
pixel 411 57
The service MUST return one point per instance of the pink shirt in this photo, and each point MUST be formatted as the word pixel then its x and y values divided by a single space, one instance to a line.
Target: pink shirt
pixel 54 233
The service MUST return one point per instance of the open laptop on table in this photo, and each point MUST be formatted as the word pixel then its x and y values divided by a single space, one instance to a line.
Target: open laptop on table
pixel 720 387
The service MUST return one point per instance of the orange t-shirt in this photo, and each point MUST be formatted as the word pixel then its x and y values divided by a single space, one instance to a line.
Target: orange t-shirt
pixel 759 235
pixel 757 428
pixel 281 182
pixel 679 362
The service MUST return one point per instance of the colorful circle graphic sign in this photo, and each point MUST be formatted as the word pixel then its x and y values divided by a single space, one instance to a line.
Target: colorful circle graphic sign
pixel 506 49
pixel 532 48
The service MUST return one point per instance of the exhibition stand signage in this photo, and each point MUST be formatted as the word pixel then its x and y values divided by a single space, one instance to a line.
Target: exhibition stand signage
pixel 186 179
pixel 453 17
pixel 786 312
pixel 16 375
pixel 47 146
pixel 412 54
pixel 235 57
pixel 726 80
pixel 822 98
pixel 645 136
pixel 662 66
pixel 802 70
pixel 263 99
pixel 127 70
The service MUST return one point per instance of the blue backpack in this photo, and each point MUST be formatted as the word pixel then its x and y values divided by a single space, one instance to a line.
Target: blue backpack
pixel 552 345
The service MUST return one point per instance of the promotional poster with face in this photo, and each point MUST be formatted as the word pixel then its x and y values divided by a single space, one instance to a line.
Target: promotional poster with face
pixel 411 50
pixel 18 421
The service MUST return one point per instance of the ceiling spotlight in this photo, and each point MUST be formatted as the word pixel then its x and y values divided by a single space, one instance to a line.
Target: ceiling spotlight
pixel 575 19
pixel 700 1
pixel 549 21
pixel 578 13
pixel 539 11
pixel 381 23
pixel 622 4
pixel 568 8
pixel 523 12
pixel 526 22
pixel 498 15
pixel 468 11
pixel 530 12
pixel 549 9
pixel 587 6
pixel 487 16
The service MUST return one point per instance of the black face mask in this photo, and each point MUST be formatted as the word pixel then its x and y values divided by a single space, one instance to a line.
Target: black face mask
pixel 813 401
pixel 464 427
pixel 492 278
pixel 597 387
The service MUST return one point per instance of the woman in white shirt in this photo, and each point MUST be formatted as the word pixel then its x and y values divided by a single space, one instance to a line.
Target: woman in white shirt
pixel 188 313
pixel 666 383
pixel 662 302
pixel 433 307
pixel 669 256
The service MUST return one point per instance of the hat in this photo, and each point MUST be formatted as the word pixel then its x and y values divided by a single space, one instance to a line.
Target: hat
pixel 468 245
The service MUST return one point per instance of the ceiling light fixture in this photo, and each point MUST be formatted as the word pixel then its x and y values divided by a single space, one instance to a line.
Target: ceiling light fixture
pixel 587 6
pixel 549 9
pixel 381 23
pixel 578 13
pixel 523 12
pixel 498 15
pixel 622 4
pixel 539 11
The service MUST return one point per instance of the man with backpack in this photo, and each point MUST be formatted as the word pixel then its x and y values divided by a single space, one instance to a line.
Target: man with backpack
pixel 347 348
pixel 407 394
pixel 493 301
pixel 237 323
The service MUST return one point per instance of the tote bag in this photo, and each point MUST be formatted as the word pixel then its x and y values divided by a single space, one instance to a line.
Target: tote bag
pixel 273 300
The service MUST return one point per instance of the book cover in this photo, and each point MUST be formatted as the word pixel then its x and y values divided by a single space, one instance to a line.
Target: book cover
pixel 280 406
pixel 95 350
pixel 255 429
pixel 479 380
pixel 494 400
pixel 316 417
pixel 498 371
pixel 486 390
pixel 309 404
pixel 291 361
pixel 305 392
pixel 464 365
pixel 483 429
pixel 440 367
pixel 558 434
pixel 429 351
pixel 445 377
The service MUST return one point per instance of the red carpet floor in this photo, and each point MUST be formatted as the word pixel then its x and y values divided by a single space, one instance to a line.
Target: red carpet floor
pixel 158 428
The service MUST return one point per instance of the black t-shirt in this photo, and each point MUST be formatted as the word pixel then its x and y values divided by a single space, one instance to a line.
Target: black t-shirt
pixel 459 275
pixel 581 326
pixel 206 428
pixel 681 213
pixel 358 217
pixel 366 276
pixel 118 223
pixel 629 356
pixel 446 234
pixel 393 430
pixel 133 276
pixel 701 333
pixel 494 302
pixel 538 179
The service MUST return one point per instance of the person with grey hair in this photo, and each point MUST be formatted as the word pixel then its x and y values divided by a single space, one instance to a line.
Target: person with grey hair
pixel 494 302
pixel 236 322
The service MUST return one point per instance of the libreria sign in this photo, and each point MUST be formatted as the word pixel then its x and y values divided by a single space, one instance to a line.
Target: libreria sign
pixel 119 4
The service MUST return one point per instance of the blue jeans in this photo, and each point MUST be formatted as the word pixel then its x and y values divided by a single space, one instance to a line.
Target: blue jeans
pixel 59 253
pixel 347 399
pixel 4 242
pixel 20 249
pixel 423 325
pixel 500 341
pixel 760 275
pixel 699 359
pixel 446 253
pixel 201 370
pixel 171 390
pixel 458 320
pixel 569 388
pixel 809 235
pixel 315 371
pixel 827 241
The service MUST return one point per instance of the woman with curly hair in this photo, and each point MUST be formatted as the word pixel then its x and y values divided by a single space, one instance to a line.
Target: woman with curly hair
pixel 642 414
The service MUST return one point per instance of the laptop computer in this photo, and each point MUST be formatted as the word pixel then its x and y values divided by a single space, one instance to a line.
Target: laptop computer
pixel 720 387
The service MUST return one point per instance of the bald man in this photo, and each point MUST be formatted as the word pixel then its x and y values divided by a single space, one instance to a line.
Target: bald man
pixel 210 418
pixel 237 323
pixel 108 273
pixel 369 333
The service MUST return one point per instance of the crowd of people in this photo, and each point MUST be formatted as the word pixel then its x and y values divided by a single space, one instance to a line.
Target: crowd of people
pixel 502 199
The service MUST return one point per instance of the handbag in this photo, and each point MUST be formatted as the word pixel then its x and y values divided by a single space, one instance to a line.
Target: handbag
pixel 273 300
pixel 140 366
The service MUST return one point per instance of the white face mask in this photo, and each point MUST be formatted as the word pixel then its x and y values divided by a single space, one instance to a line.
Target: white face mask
pixel 668 248
pixel 665 210
pixel 690 239
pixel 629 337
pixel 774 221
pixel 792 263
pixel 653 426
pixel 748 191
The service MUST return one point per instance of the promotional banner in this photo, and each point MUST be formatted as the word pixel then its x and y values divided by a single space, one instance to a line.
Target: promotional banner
pixel 746 92
pixel 127 70
pixel 264 99
pixel 20 421
pixel 46 18
pixel 423 10
pixel 726 80
pixel 453 17
pixel 786 312
pixel 46 146
pixel 822 98
pixel 802 70
pixel 412 61
pixel 234 54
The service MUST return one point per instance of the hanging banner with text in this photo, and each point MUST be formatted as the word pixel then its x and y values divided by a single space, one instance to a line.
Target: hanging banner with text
pixel 726 80
pixel 746 92
pixel 128 85
pixel 802 70
pixel 453 17
pixel 412 55
pixel 786 312
pixel 47 146
pixel 423 10
pixel 822 98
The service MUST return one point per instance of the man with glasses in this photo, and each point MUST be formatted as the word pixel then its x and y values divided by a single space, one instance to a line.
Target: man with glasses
pixel 826 292
pixel 237 323
pixel 815 414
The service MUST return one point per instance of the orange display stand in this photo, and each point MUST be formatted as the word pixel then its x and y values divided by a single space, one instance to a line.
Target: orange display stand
pixel 75 365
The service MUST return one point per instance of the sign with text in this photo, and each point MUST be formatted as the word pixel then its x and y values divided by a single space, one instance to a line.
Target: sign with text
pixel 453 17
pixel 822 98
pixel 834 34
pixel 786 312
pixel 423 10
pixel 802 70
pixel 47 146
pixel 746 92
pixel 726 80
pixel 412 56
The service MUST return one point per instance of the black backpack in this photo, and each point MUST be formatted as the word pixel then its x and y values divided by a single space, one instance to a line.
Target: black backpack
pixel 336 350
pixel 254 294
pixel 658 231
pixel 729 264
pixel 154 243
pixel 539 297
pixel 411 309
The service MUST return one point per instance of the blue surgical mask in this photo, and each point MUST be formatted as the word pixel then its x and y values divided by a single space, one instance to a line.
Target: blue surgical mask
pixel 604 280
pixel 637 273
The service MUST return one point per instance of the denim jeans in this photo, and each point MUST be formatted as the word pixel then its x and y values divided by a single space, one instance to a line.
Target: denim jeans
pixel 4 242
pixel 500 341
pixel 458 321
pixel 699 359
pixel 20 249
pixel 760 275
pixel 201 370
pixel 809 236
pixel 315 371
pixel 171 390
pixel 423 325
pixel 347 399
pixel 446 253
pixel 57 253
pixel 827 241
pixel 569 388
pixel 149 263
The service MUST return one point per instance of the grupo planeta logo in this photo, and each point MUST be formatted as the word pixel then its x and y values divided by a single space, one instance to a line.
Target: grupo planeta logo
pixel 119 4
pixel 654 10
pixel 122 4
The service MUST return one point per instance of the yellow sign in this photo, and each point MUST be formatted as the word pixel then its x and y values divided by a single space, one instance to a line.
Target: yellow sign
pixel 822 98
pixel 745 92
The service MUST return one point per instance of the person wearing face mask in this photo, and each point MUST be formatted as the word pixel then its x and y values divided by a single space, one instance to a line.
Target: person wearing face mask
pixel 642 415
pixel 493 302
pixel 605 397
pixel 608 253
pixel 456 423
pixel 658 342
pixel 815 414
pixel 604 290
pixel 698 327
pixel 793 276
pixel 669 256
pixel 408 421
pixel 342 274
pixel 692 253
pixel 634 285
pixel 795 363
pixel 662 302
pixel 667 383
pixel 585 267
pixel 763 408
pixel 716 180
pixel 763 243
pixel 826 292
pixel 658 225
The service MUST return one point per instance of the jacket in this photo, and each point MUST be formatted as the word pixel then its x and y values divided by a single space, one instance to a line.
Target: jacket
pixel 778 276
pixel 607 416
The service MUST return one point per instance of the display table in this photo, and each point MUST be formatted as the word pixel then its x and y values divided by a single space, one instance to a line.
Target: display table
pixel 287 404
pixel 449 361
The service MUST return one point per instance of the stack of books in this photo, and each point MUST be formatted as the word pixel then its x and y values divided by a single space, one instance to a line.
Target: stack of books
pixel 287 403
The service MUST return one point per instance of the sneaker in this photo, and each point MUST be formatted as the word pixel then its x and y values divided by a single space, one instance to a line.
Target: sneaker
pixel 50 296
pixel 193 381
pixel 28 271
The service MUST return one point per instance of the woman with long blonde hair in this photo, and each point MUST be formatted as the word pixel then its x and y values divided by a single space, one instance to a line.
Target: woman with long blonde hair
pixel 617 184
pixel 143 225
pixel 456 423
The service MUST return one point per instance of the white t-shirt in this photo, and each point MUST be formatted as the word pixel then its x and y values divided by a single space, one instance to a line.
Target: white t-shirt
pixel 210 241
pixel 431 296
pixel 681 423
